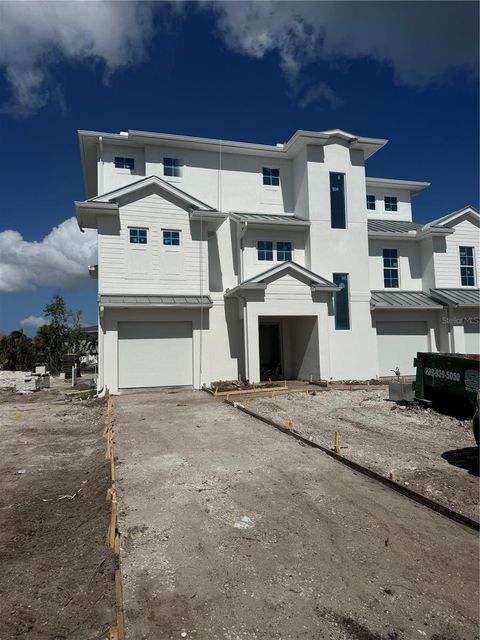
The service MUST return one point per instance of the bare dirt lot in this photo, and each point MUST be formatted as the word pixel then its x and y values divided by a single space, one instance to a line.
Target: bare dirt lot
pixel 232 530
pixel 56 579
pixel 432 453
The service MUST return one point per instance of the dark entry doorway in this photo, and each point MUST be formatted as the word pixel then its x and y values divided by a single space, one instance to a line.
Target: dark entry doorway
pixel 270 351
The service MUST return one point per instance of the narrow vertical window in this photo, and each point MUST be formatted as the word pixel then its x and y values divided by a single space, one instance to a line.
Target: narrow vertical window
pixel 390 268
pixel 341 305
pixel 371 202
pixel 391 203
pixel 467 267
pixel 337 200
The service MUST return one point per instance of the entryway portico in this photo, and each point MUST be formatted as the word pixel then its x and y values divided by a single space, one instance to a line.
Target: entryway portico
pixel 299 304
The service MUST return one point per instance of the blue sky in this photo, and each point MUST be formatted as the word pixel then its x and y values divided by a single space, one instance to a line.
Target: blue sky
pixel 224 70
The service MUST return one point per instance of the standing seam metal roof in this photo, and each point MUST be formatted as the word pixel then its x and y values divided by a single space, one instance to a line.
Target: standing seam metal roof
pixel 392 226
pixel 402 300
pixel 163 301
pixel 457 297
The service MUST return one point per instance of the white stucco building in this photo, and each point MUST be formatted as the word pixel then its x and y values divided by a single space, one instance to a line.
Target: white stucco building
pixel 223 260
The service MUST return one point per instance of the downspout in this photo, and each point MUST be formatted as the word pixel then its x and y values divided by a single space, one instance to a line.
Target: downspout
pixel 245 337
pixel 240 249
pixel 200 372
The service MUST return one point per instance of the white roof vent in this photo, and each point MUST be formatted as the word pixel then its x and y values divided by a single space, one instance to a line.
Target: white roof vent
pixel 124 133
pixel 280 144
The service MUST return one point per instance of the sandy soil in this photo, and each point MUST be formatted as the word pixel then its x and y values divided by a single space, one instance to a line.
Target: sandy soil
pixel 56 580
pixel 232 530
pixel 432 453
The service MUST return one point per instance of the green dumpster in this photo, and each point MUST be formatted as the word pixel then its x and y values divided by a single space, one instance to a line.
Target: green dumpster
pixel 448 378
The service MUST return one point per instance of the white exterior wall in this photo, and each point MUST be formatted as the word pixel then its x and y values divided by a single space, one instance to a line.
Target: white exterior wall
pixel 409 260
pixel 404 205
pixel 252 266
pixel 447 260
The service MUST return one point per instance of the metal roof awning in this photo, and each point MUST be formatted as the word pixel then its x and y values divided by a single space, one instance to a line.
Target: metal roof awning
pixel 403 229
pixel 402 300
pixel 157 301
pixel 268 219
pixel 457 297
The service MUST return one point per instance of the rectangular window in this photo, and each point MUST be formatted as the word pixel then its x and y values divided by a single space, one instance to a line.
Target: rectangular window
pixel 467 268
pixel 284 251
pixel 124 163
pixel 138 236
pixel 271 177
pixel 171 238
pixel 391 203
pixel 390 268
pixel 265 250
pixel 337 200
pixel 172 167
pixel 341 303
pixel 371 202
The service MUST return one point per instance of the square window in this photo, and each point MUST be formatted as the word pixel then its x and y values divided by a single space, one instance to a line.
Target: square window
pixel 265 250
pixel 467 267
pixel 284 251
pixel 371 202
pixel 124 163
pixel 138 236
pixel 271 177
pixel 172 167
pixel 391 203
pixel 171 238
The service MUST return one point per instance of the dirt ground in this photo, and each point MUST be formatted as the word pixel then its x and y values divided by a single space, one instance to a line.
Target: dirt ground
pixel 56 579
pixel 432 453
pixel 232 530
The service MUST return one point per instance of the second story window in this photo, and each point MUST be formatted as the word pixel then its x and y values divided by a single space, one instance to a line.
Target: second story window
pixel 371 202
pixel 341 305
pixel 172 167
pixel 124 163
pixel 171 238
pixel 337 201
pixel 138 236
pixel 390 269
pixel 284 251
pixel 391 203
pixel 265 250
pixel 467 267
pixel 271 177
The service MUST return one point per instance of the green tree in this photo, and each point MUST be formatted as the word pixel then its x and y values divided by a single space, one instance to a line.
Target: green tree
pixel 17 352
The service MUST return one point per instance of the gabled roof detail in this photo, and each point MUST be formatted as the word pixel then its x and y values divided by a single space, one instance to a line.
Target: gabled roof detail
pixel 447 220
pixel 163 185
pixel 399 300
pixel 457 297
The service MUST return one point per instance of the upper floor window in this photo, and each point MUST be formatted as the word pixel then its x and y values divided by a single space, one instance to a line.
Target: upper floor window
pixel 172 167
pixel 265 250
pixel 124 163
pixel 284 251
pixel 391 203
pixel 341 303
pixel 390 268
pixel 370 202
pixel 138 236
pixel 271 177
pixel 467 268
pixel 337 200
pixel 171 238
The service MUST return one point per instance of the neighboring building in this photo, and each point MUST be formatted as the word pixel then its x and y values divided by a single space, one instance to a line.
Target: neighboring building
pixel 226 260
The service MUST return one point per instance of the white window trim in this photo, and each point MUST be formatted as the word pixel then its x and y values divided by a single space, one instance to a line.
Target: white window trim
pixel 135 246
pixel 384 203
pixel 173 178
pixel 276 253
pixel 271 187
pixel 467 286
pixel 399 272
pixel 123 170
pixel 273 261
pixel 375 201
pixel 172 247
pixel 345 199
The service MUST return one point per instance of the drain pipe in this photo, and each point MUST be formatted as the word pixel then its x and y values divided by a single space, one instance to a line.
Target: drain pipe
pixel 200 372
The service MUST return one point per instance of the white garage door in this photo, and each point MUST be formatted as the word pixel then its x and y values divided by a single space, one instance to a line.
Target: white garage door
pixel 472 337
pixel 154 354
pixel 398 343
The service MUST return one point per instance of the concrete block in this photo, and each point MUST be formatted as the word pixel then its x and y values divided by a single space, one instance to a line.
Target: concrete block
pixel 41 370
pixel 44 381
pixel 400 391
pixel 31 383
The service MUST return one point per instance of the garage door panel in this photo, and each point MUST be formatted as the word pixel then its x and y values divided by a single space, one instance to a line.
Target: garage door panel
pixel 398 344
pixel 154 354
pixel 472 337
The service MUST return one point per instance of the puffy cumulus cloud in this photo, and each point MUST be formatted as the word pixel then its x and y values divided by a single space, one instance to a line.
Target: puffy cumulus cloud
pixel 423 42
pixel 33 322
pixel 60 260
pixel 36 35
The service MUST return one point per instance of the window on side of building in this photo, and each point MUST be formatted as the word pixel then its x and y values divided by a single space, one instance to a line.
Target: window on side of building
pixel 137 236
pixel 124 163
pixel 265 250
pixel 370 202
pixel 284 251
pixel 341 303
pixel 172 167
pixel 337 201
pixel 171 238
pixel 391 203
pixel 271 177
pixel 467 266
pixel 390 269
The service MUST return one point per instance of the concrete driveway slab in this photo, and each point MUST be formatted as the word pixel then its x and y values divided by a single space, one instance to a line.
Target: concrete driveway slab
pixel 231 530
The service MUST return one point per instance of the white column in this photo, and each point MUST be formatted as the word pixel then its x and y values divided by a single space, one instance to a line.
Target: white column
pixel 252 346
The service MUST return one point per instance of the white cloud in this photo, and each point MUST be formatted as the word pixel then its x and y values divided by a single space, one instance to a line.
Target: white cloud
pixel 423 42
pixel 34 36
pixel 60 260
pixel 33 322
pixel 320 92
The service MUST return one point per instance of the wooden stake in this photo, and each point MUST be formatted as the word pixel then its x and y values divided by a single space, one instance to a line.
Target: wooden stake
pixel 393 475
pixel 337 442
